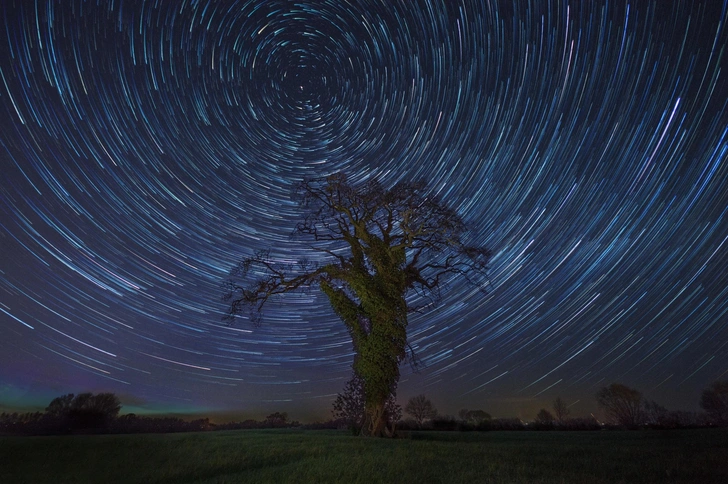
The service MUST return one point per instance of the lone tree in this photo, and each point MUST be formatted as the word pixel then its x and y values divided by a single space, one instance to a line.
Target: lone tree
pixel 622 404
pixel 544 417
pixel 421 409
pixel 561 410
pixel 475 417
pixel 714 400
pixel 379 246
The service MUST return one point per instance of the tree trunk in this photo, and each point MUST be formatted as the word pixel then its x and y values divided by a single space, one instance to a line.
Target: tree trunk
pixel 375 424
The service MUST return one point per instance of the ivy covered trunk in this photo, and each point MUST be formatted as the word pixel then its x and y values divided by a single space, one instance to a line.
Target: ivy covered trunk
pixel 380 373
pixel 377 322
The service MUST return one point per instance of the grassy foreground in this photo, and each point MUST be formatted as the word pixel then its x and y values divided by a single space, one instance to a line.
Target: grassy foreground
pixel 699 456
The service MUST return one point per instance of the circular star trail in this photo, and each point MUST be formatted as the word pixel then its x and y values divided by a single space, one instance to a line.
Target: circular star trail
pixel 147 146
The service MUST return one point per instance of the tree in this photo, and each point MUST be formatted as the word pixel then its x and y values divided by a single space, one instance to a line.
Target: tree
pixel 93 411
pixel 474 417
pixel 463 414
pixel 421 409
pixel 60 406
pixel 349 407
pixel 655 414
pixel 561 410
pixel 276 419
pixel 84 410
pixel 544 417
pixel 378 246
pixel 714 400
pixel 622 405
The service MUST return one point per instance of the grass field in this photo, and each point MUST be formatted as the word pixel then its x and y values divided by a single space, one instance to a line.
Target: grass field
pixel 696 456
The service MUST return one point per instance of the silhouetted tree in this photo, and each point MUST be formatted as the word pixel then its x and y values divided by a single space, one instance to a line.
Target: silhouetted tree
pixel 621 404
pixel 380 246
pixel 82 411
pixel 89 411
pixel 349 407
pixel 60 406
pixel 421 409
pixel 544 417
pixel 655 414
pixel 714 400
pixel 561 410
pixel 474 417
pixel 276 419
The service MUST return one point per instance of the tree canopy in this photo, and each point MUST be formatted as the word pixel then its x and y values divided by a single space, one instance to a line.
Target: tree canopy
pixel 622 404
pixel 714 400
pixel 561 410
pixel 85 410
pixel 377 246
pixel 421 409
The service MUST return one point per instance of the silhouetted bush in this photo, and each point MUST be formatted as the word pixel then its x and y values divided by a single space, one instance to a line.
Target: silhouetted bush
pixel 23 423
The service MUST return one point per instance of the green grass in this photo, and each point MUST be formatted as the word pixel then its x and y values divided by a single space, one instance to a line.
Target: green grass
pixel 699 456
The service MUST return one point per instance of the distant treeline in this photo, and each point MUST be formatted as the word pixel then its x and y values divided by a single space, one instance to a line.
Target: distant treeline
pixel 624 407
pixel 87 413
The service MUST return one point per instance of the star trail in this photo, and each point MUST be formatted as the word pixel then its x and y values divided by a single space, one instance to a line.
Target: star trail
pixel 147 146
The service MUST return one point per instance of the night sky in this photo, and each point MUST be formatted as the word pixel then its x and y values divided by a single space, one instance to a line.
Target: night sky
pixel 147 146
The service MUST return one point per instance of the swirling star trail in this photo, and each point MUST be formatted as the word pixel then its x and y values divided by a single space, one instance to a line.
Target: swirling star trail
pixel 146 146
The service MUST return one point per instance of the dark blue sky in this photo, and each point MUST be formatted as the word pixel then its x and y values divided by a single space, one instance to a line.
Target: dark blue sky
pixel 146 146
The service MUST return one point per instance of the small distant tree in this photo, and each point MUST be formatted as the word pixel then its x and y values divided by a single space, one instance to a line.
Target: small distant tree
pixel 544 417
pixel 655 414
pixel 421 409
pixel 350 408
pixel 714 401
pixel 474 417
pixel 621 404
pixel 276 419
pixel 478 416
pixel 561 410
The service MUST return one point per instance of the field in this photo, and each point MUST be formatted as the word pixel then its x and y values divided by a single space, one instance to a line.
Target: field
pixel 699 456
